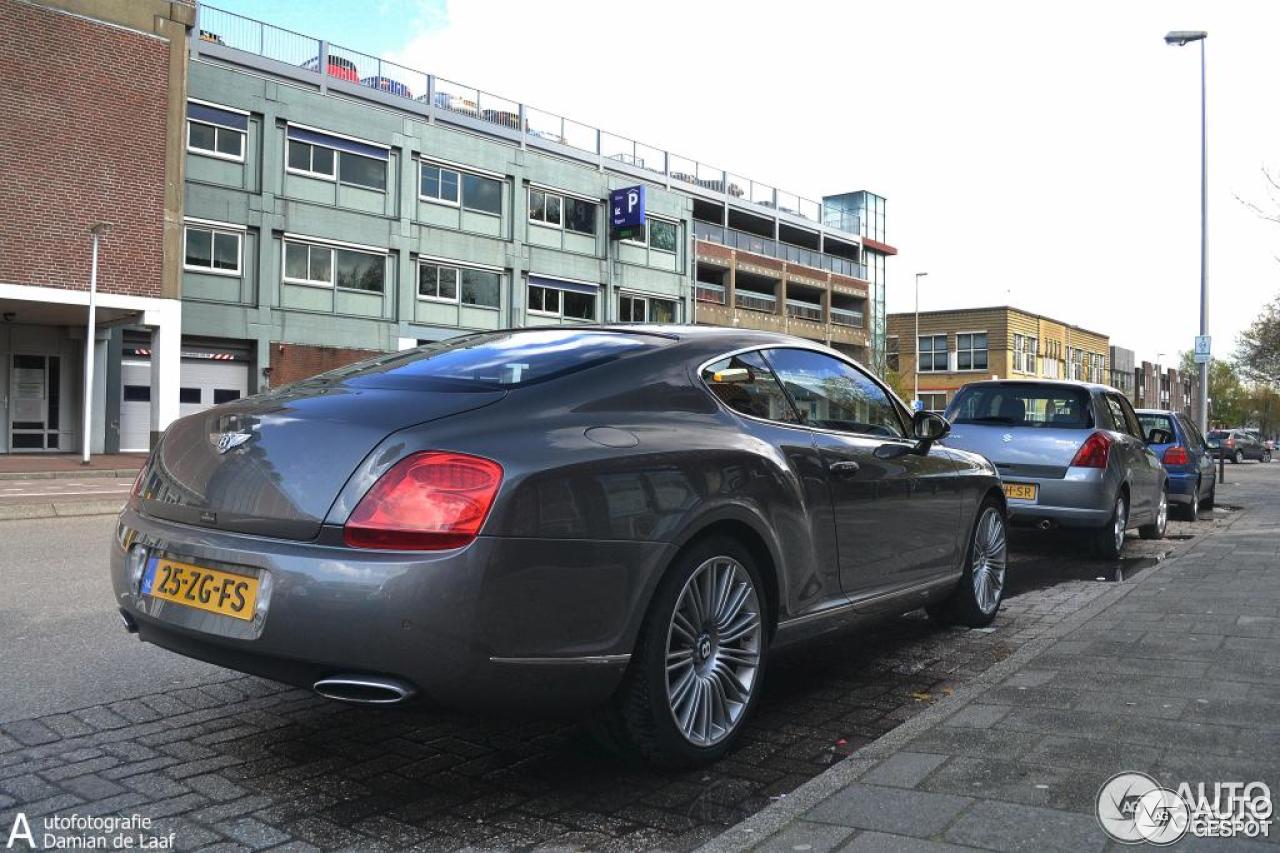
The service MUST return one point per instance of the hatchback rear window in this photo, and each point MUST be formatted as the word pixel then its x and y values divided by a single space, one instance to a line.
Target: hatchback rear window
pixel 1022 404
pixel 1219 433
pixel 497 361
pixel 1150 422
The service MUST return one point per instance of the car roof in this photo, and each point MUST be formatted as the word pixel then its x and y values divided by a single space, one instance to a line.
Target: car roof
pixel 1169 412
pixel 1066 383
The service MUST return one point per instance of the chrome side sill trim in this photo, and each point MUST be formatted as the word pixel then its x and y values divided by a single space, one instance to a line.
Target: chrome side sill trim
pixel 605 660
pixel 865 601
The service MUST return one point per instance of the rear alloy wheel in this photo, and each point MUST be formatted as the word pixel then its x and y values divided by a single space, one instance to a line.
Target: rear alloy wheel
pixel 975 601
pixel 1108 540
pixel 1238 457
pixel 1156 529
pixel 1191 512
pixel 696 672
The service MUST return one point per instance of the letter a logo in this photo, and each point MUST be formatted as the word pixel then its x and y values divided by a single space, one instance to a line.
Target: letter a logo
pixel 21 831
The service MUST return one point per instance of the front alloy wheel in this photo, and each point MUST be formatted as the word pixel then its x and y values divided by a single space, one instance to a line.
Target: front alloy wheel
pixel 1156 529
pixel 699 660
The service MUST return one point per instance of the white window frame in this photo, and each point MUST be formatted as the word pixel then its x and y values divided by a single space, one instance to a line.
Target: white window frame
pixel 647 298
pixel 971 351
pixel 307 282
pixel 214 228
pixel 308 173
pixel 932 353
pixel 217 155
pixel 559 301
pixel 439 300
pixel 558 226
pixel 648 235
pixel 428 164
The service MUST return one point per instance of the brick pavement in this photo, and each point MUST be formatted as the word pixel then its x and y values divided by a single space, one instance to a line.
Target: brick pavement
pixel 1176 675
pixel 249 764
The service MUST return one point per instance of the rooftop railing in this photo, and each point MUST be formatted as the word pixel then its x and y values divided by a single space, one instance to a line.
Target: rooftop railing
pixel 749 242
pixel 538 127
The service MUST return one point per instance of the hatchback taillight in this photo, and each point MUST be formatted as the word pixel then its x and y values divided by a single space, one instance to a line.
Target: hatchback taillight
pixel 1094 452
pixel 1176 455
pixel 1231 442
pixel 429 501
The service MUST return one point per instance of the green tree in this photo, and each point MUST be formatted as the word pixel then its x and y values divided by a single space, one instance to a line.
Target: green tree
pixel 1228 398
pixel 1258 347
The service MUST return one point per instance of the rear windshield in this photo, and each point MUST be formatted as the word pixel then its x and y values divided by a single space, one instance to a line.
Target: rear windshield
pixel 497 361
pixel 1022 404
pixel 1219 433
pixel 1150 422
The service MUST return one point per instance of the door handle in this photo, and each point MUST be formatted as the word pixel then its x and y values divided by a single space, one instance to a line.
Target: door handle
pixel 846 468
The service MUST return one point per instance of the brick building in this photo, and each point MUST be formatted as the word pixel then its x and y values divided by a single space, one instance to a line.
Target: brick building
pixel 962 346
pixel 118 105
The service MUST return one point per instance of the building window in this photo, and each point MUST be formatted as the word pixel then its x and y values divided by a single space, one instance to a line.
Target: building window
pixel 545 208
pixel 1024 354
pixel 225 395
pixel 891 353
pixel 480 287
pixel 333 158
pixel 1097 370
pixel 971 351
pixel 662 235
pixel 216 131
pixel 557 211
pixel 1075 364
pixel 189 396
pixel 439 184
pixel 561 303
pixel 645 309
pixel 438 283
pixel 933 402
pixel 324 266
pixel 212 250
pixel 482 195
pixel 933 353
pixel 137 393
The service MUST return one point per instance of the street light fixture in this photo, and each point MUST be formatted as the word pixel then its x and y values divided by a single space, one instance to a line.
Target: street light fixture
pixel 1180 38
pixel 98 229
pixel 915 401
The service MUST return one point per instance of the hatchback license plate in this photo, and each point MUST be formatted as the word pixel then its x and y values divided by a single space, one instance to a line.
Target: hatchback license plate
pixel 213 590
pixel 1021 491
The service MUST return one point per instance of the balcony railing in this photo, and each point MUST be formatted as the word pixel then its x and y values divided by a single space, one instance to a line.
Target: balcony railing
pixel 846 317
pixel 804 310
pixel 752 300
pixel 704 292
pixel 536 127
pixel 747 242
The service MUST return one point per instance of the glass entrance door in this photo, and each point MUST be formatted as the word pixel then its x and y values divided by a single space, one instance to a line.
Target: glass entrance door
pixel 34 395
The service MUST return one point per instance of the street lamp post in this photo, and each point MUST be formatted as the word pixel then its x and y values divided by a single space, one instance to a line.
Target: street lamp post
pixel 97 231
pixel 1180 38
pixel 915 400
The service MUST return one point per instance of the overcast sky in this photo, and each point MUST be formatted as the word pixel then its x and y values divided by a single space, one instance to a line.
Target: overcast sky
pixel 1040 154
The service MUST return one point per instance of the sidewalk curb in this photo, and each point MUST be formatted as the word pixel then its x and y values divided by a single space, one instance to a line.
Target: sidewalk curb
pixel 779 813
pixel 88 473
pixel 61 509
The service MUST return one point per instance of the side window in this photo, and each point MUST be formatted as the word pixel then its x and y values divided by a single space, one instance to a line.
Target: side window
pixel 745 384
pixel 833 395
pixel 1132 426
pixel 1116 412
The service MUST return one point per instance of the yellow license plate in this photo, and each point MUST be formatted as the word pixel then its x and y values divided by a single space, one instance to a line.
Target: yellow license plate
pixel 200 587
pixel 1021 491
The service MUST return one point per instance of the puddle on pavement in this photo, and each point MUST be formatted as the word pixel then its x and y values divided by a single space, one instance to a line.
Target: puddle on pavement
pixel 1028 575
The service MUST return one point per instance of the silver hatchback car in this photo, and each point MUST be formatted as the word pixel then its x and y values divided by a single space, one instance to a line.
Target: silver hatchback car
pixel 1070 454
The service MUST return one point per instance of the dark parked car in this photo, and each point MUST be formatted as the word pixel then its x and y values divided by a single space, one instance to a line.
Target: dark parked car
pixel 1238 445
pixel 625 519
pixel 1070 453
pixel 1187 458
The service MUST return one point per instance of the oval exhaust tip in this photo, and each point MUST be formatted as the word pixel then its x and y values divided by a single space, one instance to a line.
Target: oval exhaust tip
pixel 364 690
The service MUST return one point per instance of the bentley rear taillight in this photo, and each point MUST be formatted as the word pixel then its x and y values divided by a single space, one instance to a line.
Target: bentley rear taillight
pixel 1094 452
pixel 428 501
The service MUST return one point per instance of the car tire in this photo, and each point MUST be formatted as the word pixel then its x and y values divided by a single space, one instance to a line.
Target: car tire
pixel 1156 529
pixel 1108 540
pixel 1208 503
pixel 1266 456
pixel 1191 512
pixel 976 599
pixel 645 716
pixel 1238 457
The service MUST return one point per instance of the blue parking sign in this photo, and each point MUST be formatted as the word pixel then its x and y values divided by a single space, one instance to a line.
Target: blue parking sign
pixel 626 207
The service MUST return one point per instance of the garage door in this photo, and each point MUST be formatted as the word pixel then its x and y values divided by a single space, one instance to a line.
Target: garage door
pixel 204 383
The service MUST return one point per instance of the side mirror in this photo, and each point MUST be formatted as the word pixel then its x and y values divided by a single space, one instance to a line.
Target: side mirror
pixel 1159 436
pixel 928 427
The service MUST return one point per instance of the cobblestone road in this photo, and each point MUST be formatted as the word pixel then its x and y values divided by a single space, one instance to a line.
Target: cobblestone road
pixel 249 764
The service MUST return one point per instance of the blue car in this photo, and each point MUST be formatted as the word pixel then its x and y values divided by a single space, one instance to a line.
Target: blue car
pixel 1187 459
